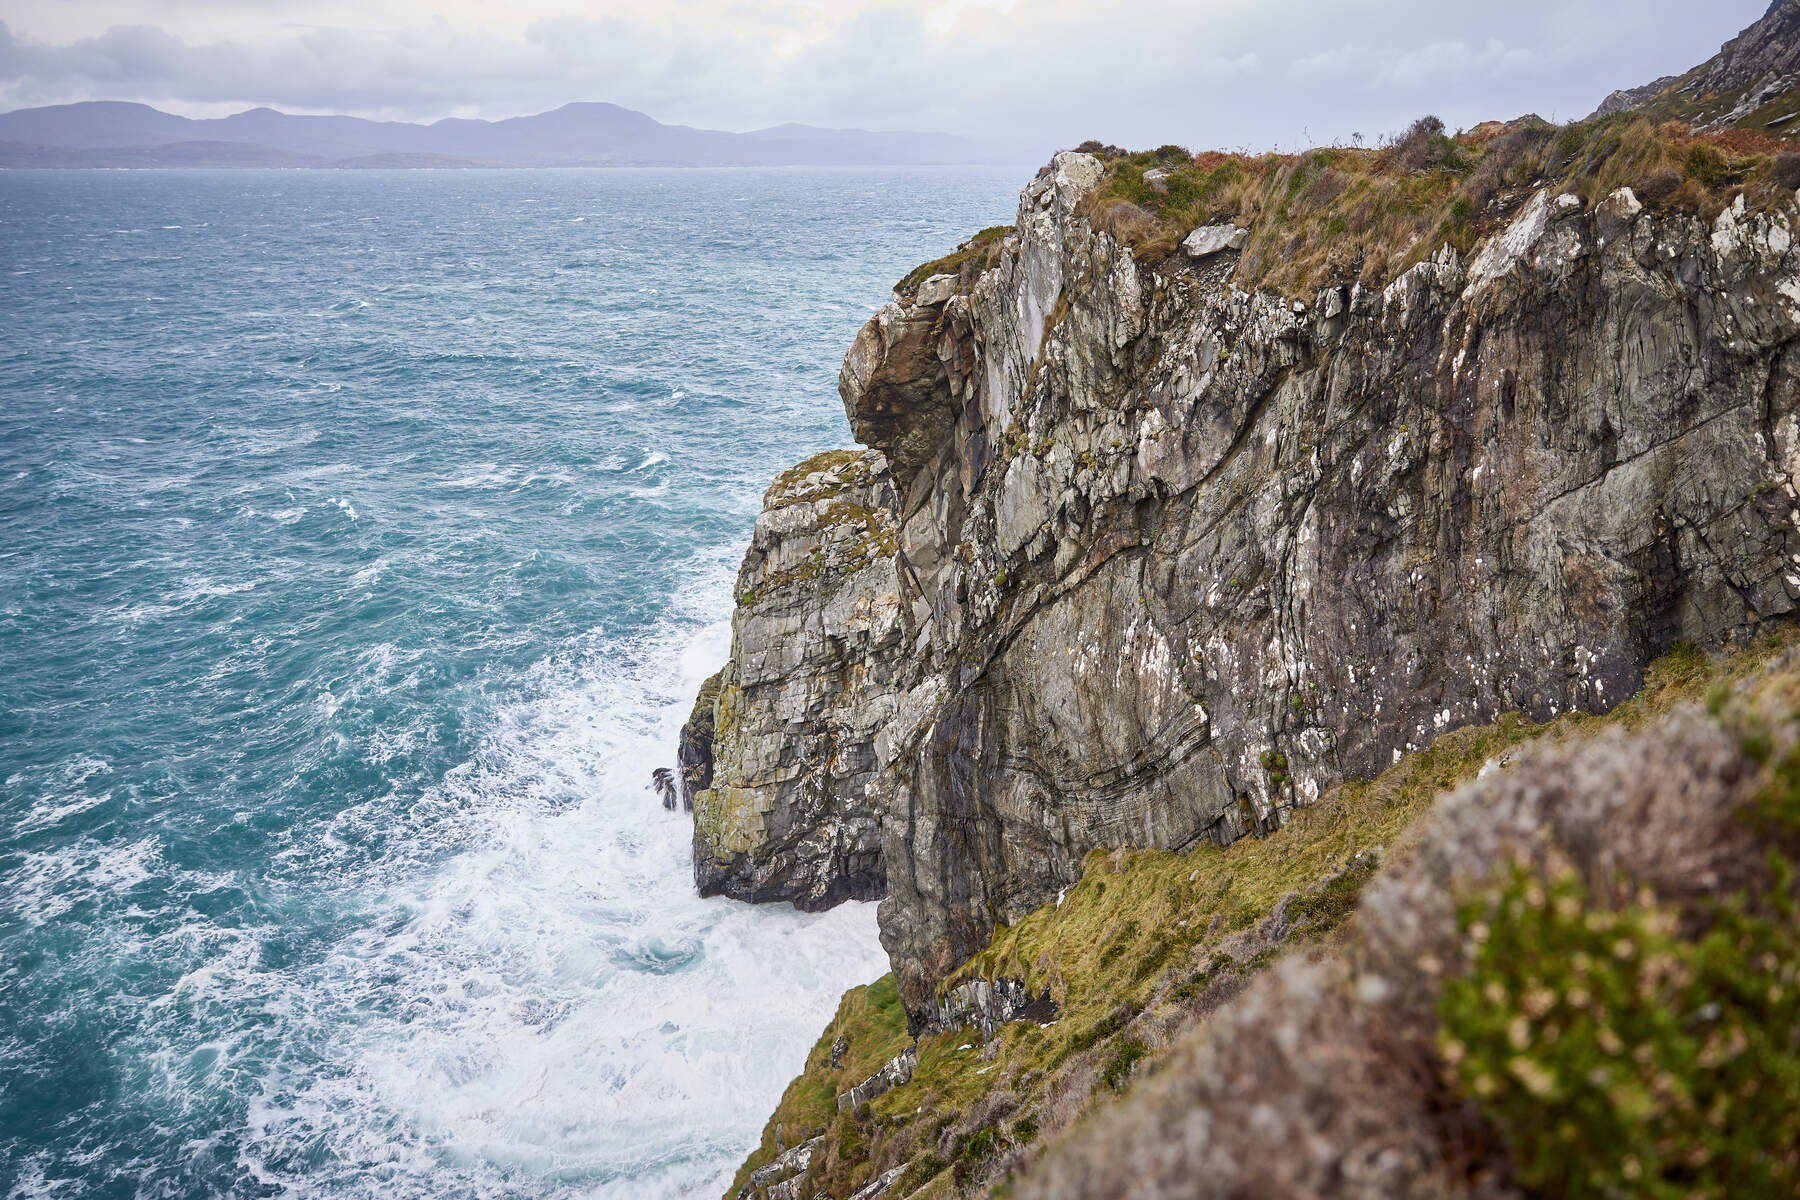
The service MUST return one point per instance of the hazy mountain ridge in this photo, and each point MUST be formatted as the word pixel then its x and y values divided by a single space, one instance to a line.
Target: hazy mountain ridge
pixel 120 134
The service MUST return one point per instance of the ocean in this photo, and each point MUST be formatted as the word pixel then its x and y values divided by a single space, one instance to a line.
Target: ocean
pixel 363 538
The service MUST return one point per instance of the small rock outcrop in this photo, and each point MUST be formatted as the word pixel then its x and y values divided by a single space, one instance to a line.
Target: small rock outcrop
pixel 777 759
pixel 783 1178
pixel 1209 240
pixel 896 1072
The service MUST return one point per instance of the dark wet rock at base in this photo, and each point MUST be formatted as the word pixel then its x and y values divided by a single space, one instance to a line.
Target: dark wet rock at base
pixel 694 756
pixel 662 781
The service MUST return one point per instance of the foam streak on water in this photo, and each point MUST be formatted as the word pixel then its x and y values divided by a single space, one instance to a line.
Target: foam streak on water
pixel 363 538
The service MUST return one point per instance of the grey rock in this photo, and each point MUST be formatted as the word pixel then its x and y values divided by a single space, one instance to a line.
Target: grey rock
pixel 1158 178
pixel 782 814
pixel 896 1072
pixel 793 1161
pixel 1626 99
pixel 935 290
pixel 1212 239
pixel 878 1186
pixel 986 1005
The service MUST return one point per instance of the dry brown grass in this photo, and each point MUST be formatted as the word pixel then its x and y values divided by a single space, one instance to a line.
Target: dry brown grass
pixel 1339 215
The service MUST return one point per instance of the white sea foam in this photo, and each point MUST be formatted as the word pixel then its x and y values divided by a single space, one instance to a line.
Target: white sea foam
pixel 46 884
pixel 552 1008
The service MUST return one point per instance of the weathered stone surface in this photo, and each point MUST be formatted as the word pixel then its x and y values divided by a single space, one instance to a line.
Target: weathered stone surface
pixel 985 1006
pixel 1211 239
pixel 935 290
pixel 878 1186
pixel 780 813
pixel 1157 533
pixel 897 1071
pixel 783 1177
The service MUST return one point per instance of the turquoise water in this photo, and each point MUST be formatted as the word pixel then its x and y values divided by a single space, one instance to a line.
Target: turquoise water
pixel 362 538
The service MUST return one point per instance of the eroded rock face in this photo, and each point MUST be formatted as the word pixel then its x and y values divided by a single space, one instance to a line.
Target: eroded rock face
pixel 778 757
pixel 1173 556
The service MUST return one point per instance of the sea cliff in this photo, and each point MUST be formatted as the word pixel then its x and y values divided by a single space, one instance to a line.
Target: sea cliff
pixel 1209 491
pixel 1171 556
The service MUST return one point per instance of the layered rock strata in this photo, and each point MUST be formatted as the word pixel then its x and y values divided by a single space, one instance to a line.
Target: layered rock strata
pixel 779 751
pixel 1173 555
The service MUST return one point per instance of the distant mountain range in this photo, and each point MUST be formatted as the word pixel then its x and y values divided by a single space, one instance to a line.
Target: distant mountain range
pixel 107 133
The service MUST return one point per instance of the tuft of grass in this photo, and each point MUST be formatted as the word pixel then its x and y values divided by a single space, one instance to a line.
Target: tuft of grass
pixel 1118 1068
pixel 967 261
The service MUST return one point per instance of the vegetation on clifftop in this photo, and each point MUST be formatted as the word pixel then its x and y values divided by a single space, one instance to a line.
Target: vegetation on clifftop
pixel 1143 952
pixel 1344 214
pixel 967 262
pixel 1348 214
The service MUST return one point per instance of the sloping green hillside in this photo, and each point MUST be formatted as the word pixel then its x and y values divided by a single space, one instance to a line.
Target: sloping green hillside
pixel 1137 958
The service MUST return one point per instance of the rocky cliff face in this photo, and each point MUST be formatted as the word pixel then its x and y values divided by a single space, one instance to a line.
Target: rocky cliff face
pixel 1173 555
pixel 1752 82
pixel 777 756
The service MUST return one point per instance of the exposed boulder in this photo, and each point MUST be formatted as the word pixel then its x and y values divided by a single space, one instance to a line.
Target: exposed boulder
pixel 1212 239
pixel 894 1073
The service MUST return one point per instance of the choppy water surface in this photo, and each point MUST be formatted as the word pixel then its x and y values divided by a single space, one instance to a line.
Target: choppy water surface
pixel 362 539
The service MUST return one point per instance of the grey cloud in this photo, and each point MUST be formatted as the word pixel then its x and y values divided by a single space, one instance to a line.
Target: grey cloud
pixel 1232 73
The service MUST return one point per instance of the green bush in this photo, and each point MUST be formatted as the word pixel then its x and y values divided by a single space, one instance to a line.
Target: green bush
pixel 1617 1057
pixel 1118 1068
pixel 974 1150
pixel 1707 166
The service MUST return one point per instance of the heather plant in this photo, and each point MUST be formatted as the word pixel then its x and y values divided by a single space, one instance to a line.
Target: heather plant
pixel 1617 1057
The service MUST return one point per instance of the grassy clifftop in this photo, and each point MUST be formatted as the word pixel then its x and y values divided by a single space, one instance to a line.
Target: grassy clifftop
pixel 1347 214
pixel 1141 957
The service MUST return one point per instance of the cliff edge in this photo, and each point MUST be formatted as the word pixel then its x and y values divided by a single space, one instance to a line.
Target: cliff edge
pixel 1175 555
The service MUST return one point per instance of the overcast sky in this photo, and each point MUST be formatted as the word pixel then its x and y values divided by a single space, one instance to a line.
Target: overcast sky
pixel 1031 73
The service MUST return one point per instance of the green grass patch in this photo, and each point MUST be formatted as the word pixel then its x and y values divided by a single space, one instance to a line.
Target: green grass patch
pixel 871 1019
pixel 966 262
